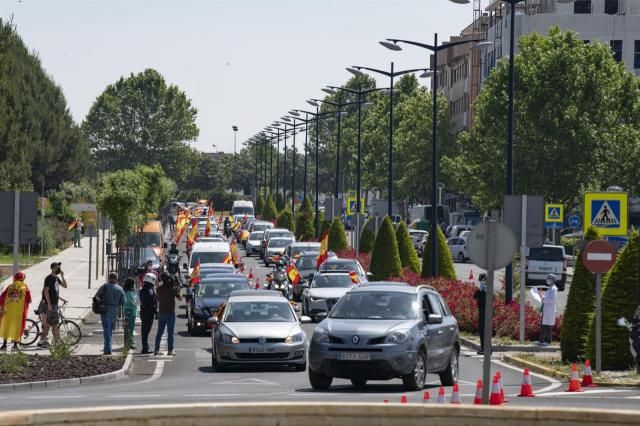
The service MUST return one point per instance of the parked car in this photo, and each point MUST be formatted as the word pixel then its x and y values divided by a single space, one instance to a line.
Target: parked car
pixel 383 331
pixel 324 292
pixel 545 260
pixel 458 249
pixel 457 229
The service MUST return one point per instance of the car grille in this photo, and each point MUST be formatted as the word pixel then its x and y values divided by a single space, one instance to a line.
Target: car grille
pixel 335 340
pixel 377 340
pixel 269 340
pixel 273 355
pixel 350 349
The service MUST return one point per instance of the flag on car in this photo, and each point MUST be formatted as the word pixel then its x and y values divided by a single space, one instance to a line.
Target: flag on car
pixel 324 249
pixel 73 224
pixel 181 224
pixel 227 258
pixel 354 277
pixel 234 253
pixel 207 230
pixel 193 234
pixel 293 274
pixel 195 275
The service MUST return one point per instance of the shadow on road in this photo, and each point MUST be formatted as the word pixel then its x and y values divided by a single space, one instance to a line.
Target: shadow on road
pixel 367 389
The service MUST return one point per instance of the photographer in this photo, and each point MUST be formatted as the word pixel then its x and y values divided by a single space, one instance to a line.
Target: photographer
pixel 168 292
pixel 48 308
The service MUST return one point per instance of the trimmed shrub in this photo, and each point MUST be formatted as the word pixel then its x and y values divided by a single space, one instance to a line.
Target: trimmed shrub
pixel 408 255
pixel 269 212
pixel 367 236
pixel 385 260
pixel 285 220
pixel 304 221
pixel 618 300
pixel 279 201
pixel 445 263
pixel 320 222
pixel 580 307
pixel 337 236
pixel 259 205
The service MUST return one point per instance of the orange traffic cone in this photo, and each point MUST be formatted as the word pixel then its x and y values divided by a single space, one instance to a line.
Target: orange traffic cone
pixel 574 381
pixel 478 398
pixel 495 399
pixel 440 399
pixel 251 273
pixel 504 399
pixel 471 278
pixel 258 284
pixel 425 398
pixel 587 378
pixel 386 401
pixel 526 390
pixel 403 399
pixel 455 396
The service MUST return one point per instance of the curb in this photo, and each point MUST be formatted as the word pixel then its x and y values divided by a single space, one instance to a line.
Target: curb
pixel 511 348
pixel 541 369
pixel 113 375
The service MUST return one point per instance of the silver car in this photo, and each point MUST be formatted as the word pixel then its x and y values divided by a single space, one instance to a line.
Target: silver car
pixel 382 331
pixel 324 292
pixel 275 248
pixel 253 243
pixel 258 327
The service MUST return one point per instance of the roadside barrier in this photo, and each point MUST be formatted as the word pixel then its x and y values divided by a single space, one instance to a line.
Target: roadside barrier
pixel 574 381
pixel 526 390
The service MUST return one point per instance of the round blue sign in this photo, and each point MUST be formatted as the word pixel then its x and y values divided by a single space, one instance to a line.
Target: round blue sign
pixel 574 221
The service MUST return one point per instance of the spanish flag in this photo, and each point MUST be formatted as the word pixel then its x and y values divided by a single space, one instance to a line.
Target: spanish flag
pixel 234 253
pixel 211 212
pixel 227 259
pixel 354 277
pixel 73 224
pixel 245 217
pixel 293 274
pixel 324 249
pixel 194 280
pixel 181 225
pixel 244 236
pixel 207 230
pixel 193 234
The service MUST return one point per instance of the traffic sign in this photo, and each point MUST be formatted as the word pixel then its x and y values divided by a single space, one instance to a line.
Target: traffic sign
pixel 599 256
pixel 505 245
pixel 300 197
pixel 606 211
pixel 554 213
pixel 575 221
pixel 352 208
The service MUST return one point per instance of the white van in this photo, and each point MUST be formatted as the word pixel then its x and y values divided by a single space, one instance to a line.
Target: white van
pixel 208 253
pixel 241 207
pixel 545 260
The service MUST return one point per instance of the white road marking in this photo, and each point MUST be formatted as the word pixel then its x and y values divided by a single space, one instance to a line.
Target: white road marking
pixel 57 397
pixel 554 383
pixel 585 393
pixel 213 395
pixel 128 395
pixel 632 397
pixel 252 381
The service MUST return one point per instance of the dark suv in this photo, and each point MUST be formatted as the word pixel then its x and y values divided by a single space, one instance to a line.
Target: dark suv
pixel 380 331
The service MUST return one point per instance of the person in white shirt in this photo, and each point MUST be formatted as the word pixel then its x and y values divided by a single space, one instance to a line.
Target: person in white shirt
pixel 548 311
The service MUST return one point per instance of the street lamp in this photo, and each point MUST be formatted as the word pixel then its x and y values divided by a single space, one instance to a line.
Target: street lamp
pixel 235 132
pixel 357 71
pixel 393 45
pixel 306 134
pixel 286 122
pixel 295 118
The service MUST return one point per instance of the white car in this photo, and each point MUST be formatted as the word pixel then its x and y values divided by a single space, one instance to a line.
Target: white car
pixel 458 249
pixel 324 292
pixel 545 260
pixel 417 236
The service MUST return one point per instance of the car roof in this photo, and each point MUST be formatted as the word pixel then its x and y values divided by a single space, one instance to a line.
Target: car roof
pixel 272 230
pixel 224 277
pixel 210 246
pixel 338 260
pixel 257 294
pixel 280 238
pixel 262 222
pixel 334 272
pixel 305 244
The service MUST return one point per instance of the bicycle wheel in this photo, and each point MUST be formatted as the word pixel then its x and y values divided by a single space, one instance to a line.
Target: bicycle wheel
pixel 30 333
pixel 70 332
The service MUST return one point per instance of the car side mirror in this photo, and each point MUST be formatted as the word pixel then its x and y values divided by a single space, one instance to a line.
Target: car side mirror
pixel 369 275
pixel 305 319
pixel 434 319
pixel 213 320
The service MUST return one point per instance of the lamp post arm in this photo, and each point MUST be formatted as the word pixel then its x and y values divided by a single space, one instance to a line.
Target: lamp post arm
pixel 387 73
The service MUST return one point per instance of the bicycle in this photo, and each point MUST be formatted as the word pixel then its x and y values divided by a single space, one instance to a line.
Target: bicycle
pixel 70 332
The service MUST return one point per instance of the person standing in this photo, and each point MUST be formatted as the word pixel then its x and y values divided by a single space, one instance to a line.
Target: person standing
pixel 148 309
pixel 481 296
pixel 168 292
pixel 130 310
pixel 112 297
pixel 14 305
pixel 48 308
pixel 548 311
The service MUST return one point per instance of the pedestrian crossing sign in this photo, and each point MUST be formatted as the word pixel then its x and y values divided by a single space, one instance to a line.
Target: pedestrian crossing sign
pixel 606 211
pixel 554 213
pixel 352 207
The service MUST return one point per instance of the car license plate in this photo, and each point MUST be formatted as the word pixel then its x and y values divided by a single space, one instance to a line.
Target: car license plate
pixel 355 356
pixel 261 350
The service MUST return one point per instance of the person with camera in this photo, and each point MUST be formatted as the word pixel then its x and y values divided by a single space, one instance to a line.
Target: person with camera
pixel 148 309
pixel 112 297
pixel 48 308
pixel 168 292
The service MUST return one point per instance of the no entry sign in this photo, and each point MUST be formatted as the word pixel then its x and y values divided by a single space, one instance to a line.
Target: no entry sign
pixel 599 256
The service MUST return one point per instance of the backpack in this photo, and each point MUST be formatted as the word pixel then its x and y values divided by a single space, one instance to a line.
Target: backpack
pixel 97 304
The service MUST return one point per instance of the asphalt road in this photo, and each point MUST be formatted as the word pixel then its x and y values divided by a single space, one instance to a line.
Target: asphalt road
pixel 188 377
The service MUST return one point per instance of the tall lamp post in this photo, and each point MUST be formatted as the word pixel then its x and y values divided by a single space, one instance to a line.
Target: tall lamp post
pixel 235 133
pixel 392 44
pixel 272 135
pixel 357 70
pixel 295 125
pixel 306 121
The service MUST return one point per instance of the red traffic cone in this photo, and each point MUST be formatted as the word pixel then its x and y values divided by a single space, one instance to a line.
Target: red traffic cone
pixel 574 381
pixel 258 284
pixel 455 395
pixel 495 399
pixel 478 398
pixel 471 278
pixel 425 398
pixel 526 390
pixel 403 399
pixel 386 401
pixel 504 399
pixel 587 377
pixel 440 399
pixel 251 273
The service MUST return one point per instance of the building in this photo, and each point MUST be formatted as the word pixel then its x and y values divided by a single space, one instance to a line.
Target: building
pixel 616 22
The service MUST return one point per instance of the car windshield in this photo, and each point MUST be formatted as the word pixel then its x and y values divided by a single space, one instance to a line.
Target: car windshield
pixel 376 305
pixel 205 272
pixel 208 257
pixel 220 288
pixel 299 249
pixel 261 227
pixel 279 243
pixel 340 266
pixel 307 262
pixel 279 234
pixel 242 211
pixel 255 236
pixel 259 312
pixel 545 253
pixel 332 280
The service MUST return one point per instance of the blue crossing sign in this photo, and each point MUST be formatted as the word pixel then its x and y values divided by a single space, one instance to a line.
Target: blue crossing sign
pixel 575 221
pixel 606 211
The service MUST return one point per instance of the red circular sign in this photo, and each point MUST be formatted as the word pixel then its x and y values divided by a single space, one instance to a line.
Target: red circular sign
pixel 599 256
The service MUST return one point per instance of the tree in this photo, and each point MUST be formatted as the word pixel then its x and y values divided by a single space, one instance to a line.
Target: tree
pixel 580 307
pixel 279 201
pixel 368 236
pixel 269 212
pixel 618 300
pixel 285 220
pixel 575 106
pixel 385 260
pixel 337 236
pixel 70 192
pixel 142 120
pixel 445 263
pixel 304 221
pixel 408 255
pixel 259 205
pixel 320 221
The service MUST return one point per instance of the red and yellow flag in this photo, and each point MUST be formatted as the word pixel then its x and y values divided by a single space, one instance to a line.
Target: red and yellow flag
pixel 193 234
pixel 354 277
pixel 293 274
pixel 207 230
pixel 245 217
pixel 181 224
pixel 73 224
pixel 211 212
pixel 234 253
pixel 195 275
pixel 324 249
pixel 244 235
pixel 227 259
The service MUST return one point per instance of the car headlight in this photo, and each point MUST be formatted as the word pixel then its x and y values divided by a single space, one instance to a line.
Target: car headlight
pixel 321 335
pixel 316 299
pixel 228 338
pixel 296 338
pixel 400 336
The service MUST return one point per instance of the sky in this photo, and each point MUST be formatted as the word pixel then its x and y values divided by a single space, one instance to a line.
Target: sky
pixel 241 62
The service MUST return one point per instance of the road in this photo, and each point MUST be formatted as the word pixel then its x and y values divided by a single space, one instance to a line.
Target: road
pixel 188 377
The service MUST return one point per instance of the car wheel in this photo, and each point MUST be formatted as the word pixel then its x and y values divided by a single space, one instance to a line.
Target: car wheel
pixel 461 257
pixel 300 367
pixel 450 375
pixel 358 383
pixel 415 380
pixel 319 381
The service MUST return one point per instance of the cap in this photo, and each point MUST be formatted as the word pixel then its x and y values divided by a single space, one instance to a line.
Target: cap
pixel 19 276
pixel 55 264
pixel 150 278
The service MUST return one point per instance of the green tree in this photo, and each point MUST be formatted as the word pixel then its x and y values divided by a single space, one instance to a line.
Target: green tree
pixel 304 221
pixel 259 205
pixel 320 221
pixel 368 236
pixel 279 201
pixel 618 300
pixel 285 220
pixel 580 307
pixel 142 120
pixel 445 263
pixel 337 236
pixel 385 260
pixel 408 255
pixel 70 192
pixel 269 212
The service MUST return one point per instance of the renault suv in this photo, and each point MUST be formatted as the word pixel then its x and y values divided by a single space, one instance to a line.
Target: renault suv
pixel 382 331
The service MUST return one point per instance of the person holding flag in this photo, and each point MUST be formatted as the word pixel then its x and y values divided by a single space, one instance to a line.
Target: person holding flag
pixel 194 280
pixel 234 253
pixel 324 249
pixel 192 237
pixel 181 224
